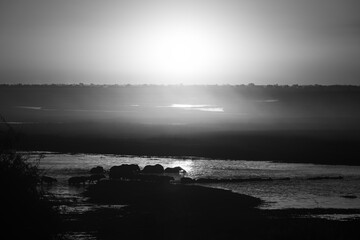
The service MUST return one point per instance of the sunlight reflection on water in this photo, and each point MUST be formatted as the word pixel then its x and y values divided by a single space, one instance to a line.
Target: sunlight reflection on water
pixel 195 107
pixel 298 192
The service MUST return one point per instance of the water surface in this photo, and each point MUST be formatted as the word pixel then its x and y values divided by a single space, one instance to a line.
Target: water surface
pixel 298 192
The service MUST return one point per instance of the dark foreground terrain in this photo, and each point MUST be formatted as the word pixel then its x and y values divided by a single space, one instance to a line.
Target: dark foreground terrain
pixel 168 211
pixel 148 208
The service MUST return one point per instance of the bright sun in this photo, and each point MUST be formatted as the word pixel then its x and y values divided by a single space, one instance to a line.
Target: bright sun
pixel 180 48
pixel 178 52
pixel 184 52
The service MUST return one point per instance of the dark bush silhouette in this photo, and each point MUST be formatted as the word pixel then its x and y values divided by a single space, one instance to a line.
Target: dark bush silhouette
pixel 24 210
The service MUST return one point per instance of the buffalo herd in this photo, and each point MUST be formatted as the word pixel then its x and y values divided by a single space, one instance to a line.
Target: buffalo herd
pixel 150 173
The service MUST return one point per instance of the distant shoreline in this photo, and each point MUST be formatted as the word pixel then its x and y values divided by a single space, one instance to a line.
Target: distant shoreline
pixel 185 157
pixel 172 85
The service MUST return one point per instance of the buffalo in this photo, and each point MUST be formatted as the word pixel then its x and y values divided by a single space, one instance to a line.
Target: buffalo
pixel 177 170
pixel 96 178
pixel 97 170
pixel 158 169
pixel 124 171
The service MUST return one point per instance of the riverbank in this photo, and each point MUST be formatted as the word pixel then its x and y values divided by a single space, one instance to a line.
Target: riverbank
pixel 298 192
pixel 140 210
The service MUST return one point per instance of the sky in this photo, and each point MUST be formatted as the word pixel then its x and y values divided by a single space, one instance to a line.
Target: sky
pixel 180 42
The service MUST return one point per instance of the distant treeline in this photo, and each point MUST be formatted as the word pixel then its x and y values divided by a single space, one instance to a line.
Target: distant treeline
pixel 238 86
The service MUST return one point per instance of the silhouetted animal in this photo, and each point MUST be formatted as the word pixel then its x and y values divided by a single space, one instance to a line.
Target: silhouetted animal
pixel 78 180
pixel 153 169
pixel 124 171
pixel 175 170
pixel 97 170
pixel 47 180
pixel 95 178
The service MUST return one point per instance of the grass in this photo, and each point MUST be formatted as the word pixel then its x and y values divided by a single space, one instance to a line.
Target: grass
pixel 25 212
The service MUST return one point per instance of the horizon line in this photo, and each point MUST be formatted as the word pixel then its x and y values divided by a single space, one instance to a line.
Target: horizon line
pixel 175 85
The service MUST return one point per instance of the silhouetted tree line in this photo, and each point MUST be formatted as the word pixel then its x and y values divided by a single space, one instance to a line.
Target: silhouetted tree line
pixel 237 86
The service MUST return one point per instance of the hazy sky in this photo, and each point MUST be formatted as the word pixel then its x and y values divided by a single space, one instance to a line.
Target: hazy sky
pixel 187 41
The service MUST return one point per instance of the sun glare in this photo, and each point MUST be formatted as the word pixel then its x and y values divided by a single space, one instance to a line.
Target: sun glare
pixel 178 51
pixel 184 48
pixel 182 52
